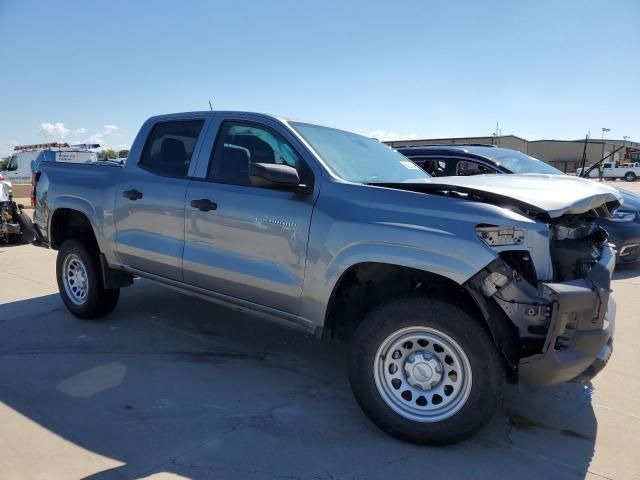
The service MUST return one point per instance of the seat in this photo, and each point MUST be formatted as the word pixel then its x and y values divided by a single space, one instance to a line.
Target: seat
pixel 233 166
pixel 173 157
pixel 261 151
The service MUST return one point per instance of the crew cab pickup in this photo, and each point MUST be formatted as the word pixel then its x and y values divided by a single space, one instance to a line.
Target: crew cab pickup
pixel 445 287
pixel 613 170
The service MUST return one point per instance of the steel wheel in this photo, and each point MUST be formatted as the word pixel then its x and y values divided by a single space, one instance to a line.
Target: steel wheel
pixel 75 279
pixel 422 374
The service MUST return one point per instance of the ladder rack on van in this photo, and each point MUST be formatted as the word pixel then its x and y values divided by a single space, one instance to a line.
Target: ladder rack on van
pixel 40 146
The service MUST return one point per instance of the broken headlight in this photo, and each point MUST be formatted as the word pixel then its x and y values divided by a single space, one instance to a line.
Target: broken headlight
pixel 495 236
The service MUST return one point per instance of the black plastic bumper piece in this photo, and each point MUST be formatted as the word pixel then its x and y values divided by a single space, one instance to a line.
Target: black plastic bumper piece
pixel 584 312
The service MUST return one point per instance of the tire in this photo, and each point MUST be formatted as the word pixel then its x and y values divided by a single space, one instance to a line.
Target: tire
pixel 110 300
pixel 26 228
pixel 630 177
pixel 436 334
pixel 85 297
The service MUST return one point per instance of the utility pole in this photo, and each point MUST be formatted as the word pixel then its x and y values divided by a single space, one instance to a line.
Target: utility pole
pixel 496 134
pixel 604 130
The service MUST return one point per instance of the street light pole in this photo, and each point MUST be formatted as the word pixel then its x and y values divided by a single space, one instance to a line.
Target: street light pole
pixel 604 129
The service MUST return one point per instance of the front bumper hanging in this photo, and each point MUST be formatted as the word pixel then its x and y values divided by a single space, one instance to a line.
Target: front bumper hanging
pixel 580 336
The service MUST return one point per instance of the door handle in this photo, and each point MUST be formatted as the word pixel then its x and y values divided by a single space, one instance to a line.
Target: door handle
pixel 204 204
pixel 132 194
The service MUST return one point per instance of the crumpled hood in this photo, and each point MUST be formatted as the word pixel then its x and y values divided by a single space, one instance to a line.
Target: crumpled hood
pixel 557 195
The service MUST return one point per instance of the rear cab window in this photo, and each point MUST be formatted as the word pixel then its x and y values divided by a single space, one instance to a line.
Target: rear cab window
pixel 170 146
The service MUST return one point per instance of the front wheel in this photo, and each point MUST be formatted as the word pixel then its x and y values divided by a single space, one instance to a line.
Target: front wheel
pixel 630 177
pixel 425 371
pixel 80 282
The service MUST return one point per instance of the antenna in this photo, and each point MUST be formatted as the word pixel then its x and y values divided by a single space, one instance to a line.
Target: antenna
pixel 210 106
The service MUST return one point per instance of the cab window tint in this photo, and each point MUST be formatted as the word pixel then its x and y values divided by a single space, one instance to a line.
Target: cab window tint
pixel 170 147
pixel 240 145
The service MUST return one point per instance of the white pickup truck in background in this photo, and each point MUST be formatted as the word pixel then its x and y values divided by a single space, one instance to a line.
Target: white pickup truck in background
pixel 628 171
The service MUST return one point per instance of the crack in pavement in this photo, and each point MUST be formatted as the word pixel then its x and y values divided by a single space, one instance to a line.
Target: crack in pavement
pixel 244 422
pixel 212 469
pixel 31 279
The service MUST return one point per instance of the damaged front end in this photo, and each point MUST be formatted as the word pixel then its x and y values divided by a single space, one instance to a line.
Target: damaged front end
pixel 9 226
pixel 554 286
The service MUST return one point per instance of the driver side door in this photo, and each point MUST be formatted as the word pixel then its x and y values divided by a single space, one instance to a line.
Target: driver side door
pixel 244 241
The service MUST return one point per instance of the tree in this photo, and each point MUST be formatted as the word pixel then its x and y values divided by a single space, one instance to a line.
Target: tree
pixel 123 153
pixel 4 161
pixel 107 154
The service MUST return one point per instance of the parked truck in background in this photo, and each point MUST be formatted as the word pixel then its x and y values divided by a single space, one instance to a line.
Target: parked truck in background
pixel 614 170
pixel 445 288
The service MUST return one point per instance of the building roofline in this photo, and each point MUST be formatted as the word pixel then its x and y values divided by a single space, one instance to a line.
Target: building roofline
pixel 488 137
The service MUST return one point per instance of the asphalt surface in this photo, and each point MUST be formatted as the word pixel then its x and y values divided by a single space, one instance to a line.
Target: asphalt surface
pixel 170 386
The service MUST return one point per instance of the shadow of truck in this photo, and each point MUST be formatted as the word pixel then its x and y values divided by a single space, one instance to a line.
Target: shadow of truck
pixel 169 383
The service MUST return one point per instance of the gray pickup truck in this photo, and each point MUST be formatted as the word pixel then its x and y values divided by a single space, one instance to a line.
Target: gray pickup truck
pixel 445 288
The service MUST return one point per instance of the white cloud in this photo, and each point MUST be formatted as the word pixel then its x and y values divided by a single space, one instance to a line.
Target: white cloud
pixel 55 131
pixel 100 136
pixel 59 132
pixel 384 136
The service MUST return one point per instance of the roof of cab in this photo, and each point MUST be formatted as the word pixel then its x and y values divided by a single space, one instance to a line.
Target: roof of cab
pixel 209 113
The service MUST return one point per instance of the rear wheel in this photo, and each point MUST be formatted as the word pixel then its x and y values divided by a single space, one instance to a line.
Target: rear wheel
pixel 425 371
pixel 80 282
pixel 630 177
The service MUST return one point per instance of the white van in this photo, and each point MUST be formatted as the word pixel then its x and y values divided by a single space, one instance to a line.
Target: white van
pixel 19 168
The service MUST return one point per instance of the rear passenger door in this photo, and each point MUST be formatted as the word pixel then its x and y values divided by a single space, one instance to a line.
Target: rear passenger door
pixel 150 200
pixel 242 241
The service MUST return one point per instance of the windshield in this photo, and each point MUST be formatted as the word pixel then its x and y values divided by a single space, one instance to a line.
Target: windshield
pixel 13 163
pixel 518 162
pixel 356 158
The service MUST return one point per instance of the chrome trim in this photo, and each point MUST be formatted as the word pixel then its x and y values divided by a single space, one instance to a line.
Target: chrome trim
pixel 623 250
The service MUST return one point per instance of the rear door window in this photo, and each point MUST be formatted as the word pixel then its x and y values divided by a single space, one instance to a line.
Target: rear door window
pixel 170 147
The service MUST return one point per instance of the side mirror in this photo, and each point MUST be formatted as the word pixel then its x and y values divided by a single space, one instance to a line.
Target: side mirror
pixel 273 175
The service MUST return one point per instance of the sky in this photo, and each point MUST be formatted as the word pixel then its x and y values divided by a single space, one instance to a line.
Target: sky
pixel 81 71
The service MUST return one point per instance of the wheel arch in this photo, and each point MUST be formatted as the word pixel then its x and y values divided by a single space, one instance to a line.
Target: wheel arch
pixel 74 218
pixel 70 223
pixel 364 285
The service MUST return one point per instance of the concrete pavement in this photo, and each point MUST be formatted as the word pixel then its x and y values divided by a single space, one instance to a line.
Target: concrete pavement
pixel 170 386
